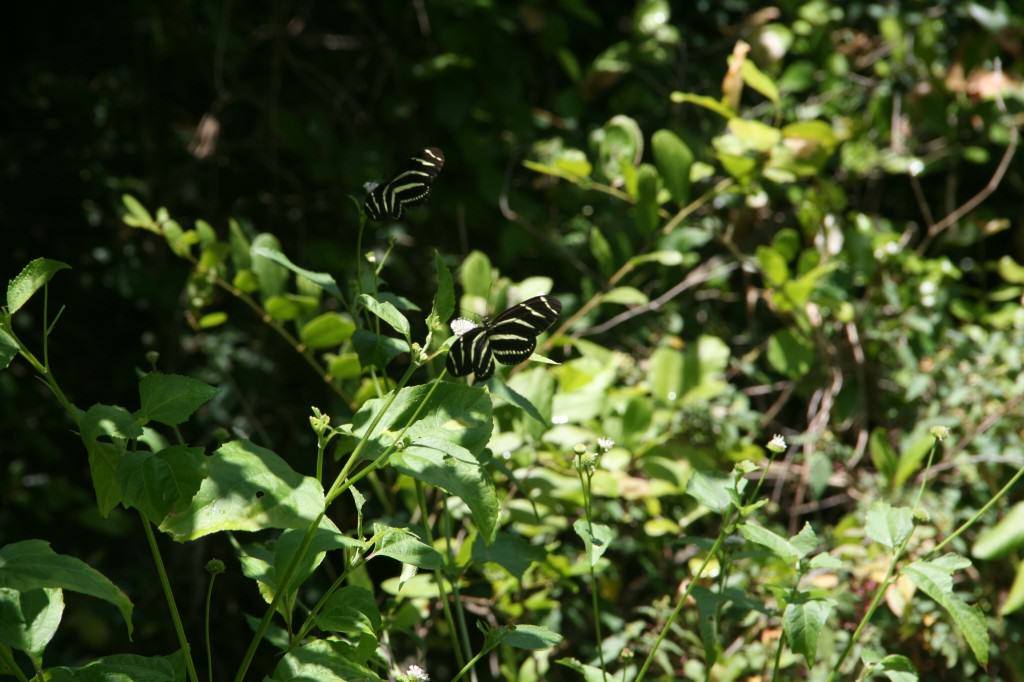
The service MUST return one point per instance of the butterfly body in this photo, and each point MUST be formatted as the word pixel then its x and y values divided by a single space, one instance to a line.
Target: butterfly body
pixel 509 338
pixel 409 187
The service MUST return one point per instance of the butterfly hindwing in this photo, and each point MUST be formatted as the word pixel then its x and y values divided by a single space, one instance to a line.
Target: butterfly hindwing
pixel 409 187
pixel 510 338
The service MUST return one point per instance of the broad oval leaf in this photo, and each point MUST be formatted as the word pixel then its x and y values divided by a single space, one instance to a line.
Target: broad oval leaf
pixel 322 279
pixel 674 160
pixel 888 525
pixel 802 623
pixel 247 488
pixel 121 668
pixel 32 565
pixel 596 538
pixel 31 279
pixel 324 661
pixel 270 273
pixel 388 313
pixel 531 637
pixel 327 330
pixel 171 398
pixel 29 619
pixel 934 578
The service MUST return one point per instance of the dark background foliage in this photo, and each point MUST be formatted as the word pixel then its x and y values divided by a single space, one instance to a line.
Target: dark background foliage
pixel 276 113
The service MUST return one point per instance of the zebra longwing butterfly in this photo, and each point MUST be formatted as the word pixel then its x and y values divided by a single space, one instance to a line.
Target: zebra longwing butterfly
pixel 509 338
pixel 409 187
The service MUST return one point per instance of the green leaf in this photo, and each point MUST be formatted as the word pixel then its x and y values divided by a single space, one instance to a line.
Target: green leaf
pixel 935 579
pixel 455 470
pixel 111 421
pixel 29 619
pixel 896 668
pixel 327 330
pixel 1010 270
pixel 665 374
pixel 171 398
pixel 260 249
pixel 759 81
pixel 247 488
pixel 506 393
pixel 596 538
pixel 475 275
pixel 324 661
pixel 709 103
pixel 530 637
pixel 403 546
pixel 444 298
pixel 1002 538
pixel 514 553
pixel 1014 598
pixel 755 135
pixel 660 257
pixel 137 216
pixel 351 610
pixel 646 199
pixel 377 350
pixel 241 249
pixel 625 296
pixel 30 280
pixel 778 545
pixel 589 672
pixel 911 458
pixel 673 159
pixel 456 413
pixel 271 274
pixel 388 313
pixel 32 565
pixel 122 668
pixel 344 366
pixel 601 250
pixel 711 489
pixel 8 349
pixel 773 266
pixel 883 455
pixel 802 623
pixel 156 483
pixel 888 525
pixel 620 143
pixel 790 354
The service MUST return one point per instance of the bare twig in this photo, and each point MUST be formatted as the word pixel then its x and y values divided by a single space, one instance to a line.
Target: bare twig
pixel 715 267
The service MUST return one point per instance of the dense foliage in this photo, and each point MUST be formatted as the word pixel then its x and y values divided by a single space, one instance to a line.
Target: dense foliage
pixel 773 435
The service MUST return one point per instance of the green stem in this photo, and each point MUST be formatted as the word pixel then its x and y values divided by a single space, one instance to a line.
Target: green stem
pixel 310 621
pixel 472 662
pixel 460 657
pixel 679 604
pixel 890 572
pixel 209 650
pixel 7 656
pixel 340 486
pixel 971 521
pixel 460 612
pixel 585 479
pixel 179 629
pixel 282 589
pixel 332 493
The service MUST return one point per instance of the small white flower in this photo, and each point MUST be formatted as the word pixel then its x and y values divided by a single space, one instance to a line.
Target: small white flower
pixel 777 443
pixel 461 325
pixel 415 673
pixel 605 444
pixel 559 419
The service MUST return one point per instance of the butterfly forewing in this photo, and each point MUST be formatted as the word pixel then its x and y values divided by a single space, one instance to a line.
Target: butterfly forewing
pixel 510 338
pixel 409 187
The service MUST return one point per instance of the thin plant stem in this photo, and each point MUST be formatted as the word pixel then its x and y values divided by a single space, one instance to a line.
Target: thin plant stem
pixel 585 479
pixel 977 515
pixel 310 621
pixel 460 612
pixel 282 589
pixel 679 604
pixel 453 630
pixel 890 576
pixel 209 649
pixel 165 583
pixel 7 656
pixel 472 662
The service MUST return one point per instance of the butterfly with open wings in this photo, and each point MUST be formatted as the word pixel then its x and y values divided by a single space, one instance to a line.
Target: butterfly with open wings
pixel 509 338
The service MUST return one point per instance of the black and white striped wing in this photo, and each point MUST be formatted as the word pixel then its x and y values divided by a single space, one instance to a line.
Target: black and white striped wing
pixel 513 334
pixel 471 352
pixel 409 187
